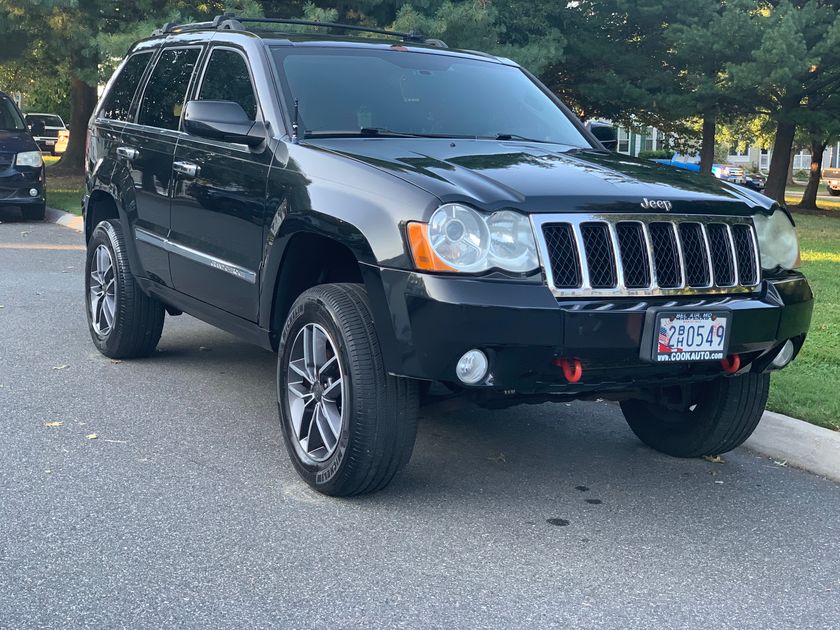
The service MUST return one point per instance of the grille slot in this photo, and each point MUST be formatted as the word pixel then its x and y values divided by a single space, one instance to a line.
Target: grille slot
pixel 6 160
pixel 695 255
pixel 562 255
pixel 587 255
pixel 666 257
pixel 599 255
pixel 745 254
pixel 634 254
pixel 720 249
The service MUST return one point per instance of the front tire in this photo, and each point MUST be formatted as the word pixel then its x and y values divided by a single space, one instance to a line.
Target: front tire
pixel 717 417
pixel 349 426
pixel 124 322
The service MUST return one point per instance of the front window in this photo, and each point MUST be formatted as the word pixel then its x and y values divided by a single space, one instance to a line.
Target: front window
pixel 10 118
pixel 382 92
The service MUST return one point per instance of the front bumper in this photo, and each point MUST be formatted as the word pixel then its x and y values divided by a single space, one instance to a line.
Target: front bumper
pixel 16 182
pixel 427 322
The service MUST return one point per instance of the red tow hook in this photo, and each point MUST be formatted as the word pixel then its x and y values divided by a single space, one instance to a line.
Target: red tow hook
pixel 572 368
pixel 731 364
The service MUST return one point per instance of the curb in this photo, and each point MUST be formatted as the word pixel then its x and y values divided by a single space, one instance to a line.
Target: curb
pixel 800 444
pixel 59 217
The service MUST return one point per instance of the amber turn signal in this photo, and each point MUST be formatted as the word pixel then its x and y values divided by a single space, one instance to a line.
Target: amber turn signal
pixel 421 250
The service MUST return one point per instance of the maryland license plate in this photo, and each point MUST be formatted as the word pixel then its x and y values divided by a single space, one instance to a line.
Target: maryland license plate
pixel 685 336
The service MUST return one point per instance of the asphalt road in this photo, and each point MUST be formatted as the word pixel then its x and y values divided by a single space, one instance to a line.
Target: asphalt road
pixel 184 511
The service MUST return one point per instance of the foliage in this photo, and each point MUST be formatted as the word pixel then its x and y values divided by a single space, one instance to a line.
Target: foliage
pixel 660 154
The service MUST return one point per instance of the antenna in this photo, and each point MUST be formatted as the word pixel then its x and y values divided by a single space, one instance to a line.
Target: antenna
pixel 295 123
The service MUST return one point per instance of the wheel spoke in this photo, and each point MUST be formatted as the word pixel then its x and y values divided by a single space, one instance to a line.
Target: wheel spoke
pixel 109 309
pixel 332 362
pixel 332 418
pixel 299 368
pixel 332 391
pixel 325 430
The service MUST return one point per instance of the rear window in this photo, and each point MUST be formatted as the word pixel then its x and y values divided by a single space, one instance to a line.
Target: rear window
pixel 48 120
pixel 117 102
pixel 163 99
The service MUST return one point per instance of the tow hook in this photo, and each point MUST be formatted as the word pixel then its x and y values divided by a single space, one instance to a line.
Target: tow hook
pixel 731 364
pixel 572 368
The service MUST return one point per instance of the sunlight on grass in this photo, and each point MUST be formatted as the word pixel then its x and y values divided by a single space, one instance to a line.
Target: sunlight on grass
pixel 808 388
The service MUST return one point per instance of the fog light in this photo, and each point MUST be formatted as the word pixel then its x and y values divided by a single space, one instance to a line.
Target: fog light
pixel 472 367
pixel 33 192
pixel 785 355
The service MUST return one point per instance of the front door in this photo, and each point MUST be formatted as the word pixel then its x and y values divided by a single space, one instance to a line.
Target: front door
pixel 219 200
pixel 147 148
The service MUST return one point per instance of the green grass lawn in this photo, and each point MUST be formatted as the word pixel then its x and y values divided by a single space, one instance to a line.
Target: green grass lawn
pixel 809 388
pixel 63 192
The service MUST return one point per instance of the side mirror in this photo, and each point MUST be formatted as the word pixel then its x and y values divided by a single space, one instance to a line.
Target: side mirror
pixel 222 120
pixel 606 134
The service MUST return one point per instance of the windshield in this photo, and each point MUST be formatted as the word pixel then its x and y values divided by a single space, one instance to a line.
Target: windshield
pixel 10 119
pixel 390 92
pixel 49 120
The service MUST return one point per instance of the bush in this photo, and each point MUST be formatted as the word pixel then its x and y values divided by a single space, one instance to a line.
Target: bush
pixel 800 174
pixel 661 154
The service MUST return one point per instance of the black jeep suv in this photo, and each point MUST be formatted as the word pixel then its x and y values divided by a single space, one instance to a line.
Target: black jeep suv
pixel 387 213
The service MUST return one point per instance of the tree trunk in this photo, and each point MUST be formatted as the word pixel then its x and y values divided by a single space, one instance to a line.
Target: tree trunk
pixel 809 198
pixel 82 102
pixel 707 148
pixel 780 161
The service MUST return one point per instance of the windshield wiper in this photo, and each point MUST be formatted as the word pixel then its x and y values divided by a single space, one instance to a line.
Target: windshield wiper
pixel 516 136
pixel 380 132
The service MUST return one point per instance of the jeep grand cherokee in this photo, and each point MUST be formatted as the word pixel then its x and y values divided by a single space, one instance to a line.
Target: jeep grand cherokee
pixel 386 213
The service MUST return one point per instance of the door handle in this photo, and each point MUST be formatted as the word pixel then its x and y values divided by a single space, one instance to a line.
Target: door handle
pixel 186 168
pixel 129 153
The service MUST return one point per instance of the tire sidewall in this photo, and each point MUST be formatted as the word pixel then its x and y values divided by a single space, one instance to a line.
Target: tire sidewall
pixel 324 474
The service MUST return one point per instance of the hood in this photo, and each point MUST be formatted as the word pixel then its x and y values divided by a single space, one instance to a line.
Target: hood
pixel 16 142
pixel 537 177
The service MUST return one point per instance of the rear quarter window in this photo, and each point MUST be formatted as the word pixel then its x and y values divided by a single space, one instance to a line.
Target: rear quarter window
pixel 117 102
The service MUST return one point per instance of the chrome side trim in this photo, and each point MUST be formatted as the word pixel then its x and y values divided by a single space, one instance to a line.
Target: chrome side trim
pixel 172 247
pixel 538 221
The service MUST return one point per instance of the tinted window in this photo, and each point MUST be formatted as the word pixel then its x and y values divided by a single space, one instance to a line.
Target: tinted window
pixel 420 93
pixel 9 117
pixel 163 99
pixel 117 103
pixel 227 79
pixel 48 119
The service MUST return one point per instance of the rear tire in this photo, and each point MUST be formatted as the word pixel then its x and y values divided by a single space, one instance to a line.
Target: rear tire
pixel 725 413
pixel 124 322
pixel 34 213
pixel 833 191
pixel 367 424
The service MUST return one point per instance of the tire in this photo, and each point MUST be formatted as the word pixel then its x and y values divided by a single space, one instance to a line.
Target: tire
pixel 727 411
pixel 377 413
pixel 34 213
pixel 136 322
pixel 833 191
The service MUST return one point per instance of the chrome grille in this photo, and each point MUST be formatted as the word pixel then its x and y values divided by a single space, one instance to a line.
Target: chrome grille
pixel 639 255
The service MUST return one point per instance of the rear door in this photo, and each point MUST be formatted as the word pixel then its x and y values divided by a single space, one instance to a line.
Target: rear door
pixel 219 199
pixel 147 148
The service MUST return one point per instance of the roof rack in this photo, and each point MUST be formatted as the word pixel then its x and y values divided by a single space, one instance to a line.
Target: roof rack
pixel 232 22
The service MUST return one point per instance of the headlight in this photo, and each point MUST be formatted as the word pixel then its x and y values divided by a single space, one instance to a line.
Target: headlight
pixel 777 241
pixel 459 238
pixel 29 158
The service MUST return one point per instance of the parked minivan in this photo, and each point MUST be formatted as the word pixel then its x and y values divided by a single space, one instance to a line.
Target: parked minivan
pixel 21 166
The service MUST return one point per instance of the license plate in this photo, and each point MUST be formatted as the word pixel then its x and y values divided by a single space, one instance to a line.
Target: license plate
pixel 49 142
pixel 687 336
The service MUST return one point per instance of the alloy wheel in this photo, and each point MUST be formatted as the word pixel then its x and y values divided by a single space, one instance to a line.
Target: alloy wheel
pixel 315 383
pixel 103 291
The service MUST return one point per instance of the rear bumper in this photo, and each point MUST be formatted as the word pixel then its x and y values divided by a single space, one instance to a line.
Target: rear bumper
pixel 523 328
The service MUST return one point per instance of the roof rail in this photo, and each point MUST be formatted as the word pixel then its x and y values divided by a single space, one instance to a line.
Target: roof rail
pixel 232 22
